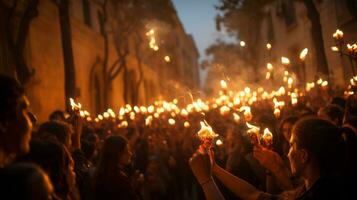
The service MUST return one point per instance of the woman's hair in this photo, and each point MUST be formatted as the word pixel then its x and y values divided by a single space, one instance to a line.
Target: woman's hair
pixel 334 112
pixel 23 181
pixel 54 158
pixel 113 147
pixel 10 92
pixel 57 129
pixel 323 141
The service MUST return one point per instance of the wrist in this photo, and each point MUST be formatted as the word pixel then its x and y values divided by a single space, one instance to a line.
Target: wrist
pixel 206 181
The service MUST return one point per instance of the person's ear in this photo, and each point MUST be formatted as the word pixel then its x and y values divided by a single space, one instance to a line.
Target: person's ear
pixel 304 156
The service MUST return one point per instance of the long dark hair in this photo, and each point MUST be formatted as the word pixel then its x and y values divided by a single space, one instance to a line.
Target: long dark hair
pixel 54 158
pixel 113 147
pixel 324 143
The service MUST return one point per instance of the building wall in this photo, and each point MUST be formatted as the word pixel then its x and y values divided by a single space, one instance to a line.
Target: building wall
pixel 43 52
pixel 290 40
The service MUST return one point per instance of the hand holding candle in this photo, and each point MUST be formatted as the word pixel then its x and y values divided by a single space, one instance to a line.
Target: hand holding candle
pixel 206 135
pixel 254 134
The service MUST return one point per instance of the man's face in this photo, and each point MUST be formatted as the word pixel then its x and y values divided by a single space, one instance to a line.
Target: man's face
pixel 19 129
pixel 297 157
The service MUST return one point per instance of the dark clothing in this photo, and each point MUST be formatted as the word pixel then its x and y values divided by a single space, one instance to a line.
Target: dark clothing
pixel 115 186
pixel 324 188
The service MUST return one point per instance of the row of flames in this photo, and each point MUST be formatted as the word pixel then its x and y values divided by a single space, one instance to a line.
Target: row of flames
pixel 229 103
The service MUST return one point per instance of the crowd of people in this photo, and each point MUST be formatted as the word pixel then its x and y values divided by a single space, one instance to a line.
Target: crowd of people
pixel 154 152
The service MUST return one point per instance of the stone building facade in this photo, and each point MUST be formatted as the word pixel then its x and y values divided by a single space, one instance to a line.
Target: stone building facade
pixel 287 27
pixel 43 52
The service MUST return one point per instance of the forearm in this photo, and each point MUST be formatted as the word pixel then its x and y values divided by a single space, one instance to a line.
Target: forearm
pixel 282 176
pixel 238 186
pixel 211 190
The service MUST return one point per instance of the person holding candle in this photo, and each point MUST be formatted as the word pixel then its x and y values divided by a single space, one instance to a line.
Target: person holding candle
pixel 317 152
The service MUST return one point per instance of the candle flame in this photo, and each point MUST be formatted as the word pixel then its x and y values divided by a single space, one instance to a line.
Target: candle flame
pixel 269 66
pixel 206 131
pixel 338 34
pixel 171 121
pixel 242 43
pixel 219 142
pixel 334 48
pixel 148 120
pixel 167 58
pixel 285 61
pixel 268 46
pixel 186 124
pixel 223 84
pixel 303 54
pixel 236 117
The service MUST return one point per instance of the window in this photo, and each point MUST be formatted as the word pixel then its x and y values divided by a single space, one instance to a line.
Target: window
pixel 87 13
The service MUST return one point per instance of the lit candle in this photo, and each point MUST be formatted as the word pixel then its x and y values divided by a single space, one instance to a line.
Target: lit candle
pixel 148 120
pixel 303 54
pixel 338 34
pixel 223 84
pixel 219 142
pixel 254 134
pixel 171 121
pixel 267 138
pixel 167 59
pixel 236 117
pixel 268 46
pixel 285 61
pixel 242 43
pixel 334 48
pixel 74 105
pixel 206 132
